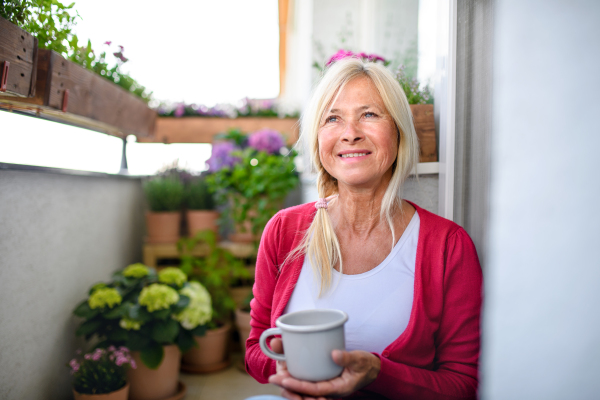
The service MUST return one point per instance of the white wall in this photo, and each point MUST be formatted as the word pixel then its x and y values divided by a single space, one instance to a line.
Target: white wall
pixel 541 321
pixel 59 234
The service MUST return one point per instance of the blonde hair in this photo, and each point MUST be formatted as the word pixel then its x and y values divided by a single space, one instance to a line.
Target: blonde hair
pixel 320 242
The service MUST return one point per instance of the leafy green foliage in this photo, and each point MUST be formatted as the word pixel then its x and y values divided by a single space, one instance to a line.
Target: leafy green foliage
pixel 255 187
pixel 152 355
pixel 164 194
pixel 52 22
pixel 216 272
pixel 414 94
pixel 16 11
pixel 197 195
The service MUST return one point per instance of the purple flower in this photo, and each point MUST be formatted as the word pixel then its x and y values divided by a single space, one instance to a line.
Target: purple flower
pixel 221 156
pixel 88 356
pixel 121 360
pixel 266 140
pixel 179 110
pixel 108 43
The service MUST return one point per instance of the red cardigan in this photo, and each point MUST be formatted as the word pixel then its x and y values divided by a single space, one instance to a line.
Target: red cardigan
pixel 437 355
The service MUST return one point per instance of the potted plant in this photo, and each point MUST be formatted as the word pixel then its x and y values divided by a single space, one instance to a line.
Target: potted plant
pixel 101 374
pixel 165 197
pixel 216 272
pixel 200 206
pixel 155 315
pixel 242 321
pixel 252 174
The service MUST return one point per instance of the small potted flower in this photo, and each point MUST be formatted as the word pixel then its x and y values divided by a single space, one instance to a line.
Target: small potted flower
pixel 252 174
pixel 200 206
pixel 102 374
pixel 155 315
pixel 165 197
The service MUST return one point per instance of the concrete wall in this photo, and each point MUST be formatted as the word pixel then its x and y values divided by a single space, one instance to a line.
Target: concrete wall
pixel 541 319
pixel 59 234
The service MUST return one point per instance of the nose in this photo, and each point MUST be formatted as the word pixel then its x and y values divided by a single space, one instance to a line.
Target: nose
pixel 352 133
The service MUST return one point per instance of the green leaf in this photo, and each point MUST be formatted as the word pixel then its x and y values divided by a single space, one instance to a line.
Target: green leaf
pixel 162 314
pixel 183 302
pixel 152 356
pixel 114 313
pixel 136 341
pixel 165 332
pixel 83 310
pixel 185 340
pixel 88 327
pixel 200 330
pixel 118 335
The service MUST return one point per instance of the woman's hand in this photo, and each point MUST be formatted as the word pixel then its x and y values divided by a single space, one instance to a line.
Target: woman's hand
pixel 360 369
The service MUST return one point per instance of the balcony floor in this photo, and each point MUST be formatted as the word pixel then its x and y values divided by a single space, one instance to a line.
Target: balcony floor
pixel 228 384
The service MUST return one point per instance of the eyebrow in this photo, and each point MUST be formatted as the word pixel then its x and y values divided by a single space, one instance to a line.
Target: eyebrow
pixel 362 108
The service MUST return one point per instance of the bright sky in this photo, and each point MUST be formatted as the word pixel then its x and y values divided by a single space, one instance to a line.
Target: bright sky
pixel 201 51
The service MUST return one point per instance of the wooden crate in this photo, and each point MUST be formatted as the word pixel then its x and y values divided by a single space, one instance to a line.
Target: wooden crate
pixel 425 127
pixel 18 56
pixel 204 129
pixel 154 251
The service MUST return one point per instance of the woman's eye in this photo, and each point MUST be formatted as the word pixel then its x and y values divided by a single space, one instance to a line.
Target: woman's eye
pixel 331 118
pixel 370 114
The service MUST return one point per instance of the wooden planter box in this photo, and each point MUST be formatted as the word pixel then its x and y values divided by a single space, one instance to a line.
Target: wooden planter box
pixel 204 129
pixel 18 52
pixel 67 92
pixel 425 127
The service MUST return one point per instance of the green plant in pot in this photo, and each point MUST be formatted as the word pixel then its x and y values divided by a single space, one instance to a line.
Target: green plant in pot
pixel 200 205
pixel 252 174
pixel 164 195
pixel 216 271
pixel 155 315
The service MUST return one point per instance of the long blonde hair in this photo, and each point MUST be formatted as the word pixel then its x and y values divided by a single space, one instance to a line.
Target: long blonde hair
pixel 320 242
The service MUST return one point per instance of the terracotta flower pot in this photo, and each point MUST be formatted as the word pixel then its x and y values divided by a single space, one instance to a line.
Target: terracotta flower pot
pixel 163 227
pixel 211 353
pixel 155 384
pixel 120 394
pixel 200 220
pixel 242 323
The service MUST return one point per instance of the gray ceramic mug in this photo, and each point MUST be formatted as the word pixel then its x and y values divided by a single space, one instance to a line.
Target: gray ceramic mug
pixel 309 337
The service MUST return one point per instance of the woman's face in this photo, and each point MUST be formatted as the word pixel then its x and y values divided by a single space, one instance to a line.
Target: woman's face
pixel 358 140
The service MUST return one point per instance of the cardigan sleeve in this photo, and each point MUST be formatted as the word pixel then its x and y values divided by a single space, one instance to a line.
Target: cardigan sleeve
pixel 457 341
pixel 258 365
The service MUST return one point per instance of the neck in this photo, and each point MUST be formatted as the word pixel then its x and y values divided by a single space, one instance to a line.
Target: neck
pixel 358 209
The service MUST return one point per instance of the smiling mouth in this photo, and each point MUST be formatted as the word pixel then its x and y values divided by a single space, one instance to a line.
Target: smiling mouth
pixel 350 155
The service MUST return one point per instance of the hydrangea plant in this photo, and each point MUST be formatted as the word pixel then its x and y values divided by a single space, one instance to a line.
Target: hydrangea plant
pixel 144 310
pixel 252 174
pixel 101 371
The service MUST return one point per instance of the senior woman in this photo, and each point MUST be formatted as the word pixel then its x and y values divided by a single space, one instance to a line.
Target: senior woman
pixel 409 280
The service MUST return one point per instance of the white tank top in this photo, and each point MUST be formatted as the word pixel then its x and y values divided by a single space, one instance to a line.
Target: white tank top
pixel 378 302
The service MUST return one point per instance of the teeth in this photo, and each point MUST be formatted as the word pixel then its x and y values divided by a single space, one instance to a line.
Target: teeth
pixel 353 155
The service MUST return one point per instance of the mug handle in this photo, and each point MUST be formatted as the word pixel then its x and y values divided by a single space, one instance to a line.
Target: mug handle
pixel 263 344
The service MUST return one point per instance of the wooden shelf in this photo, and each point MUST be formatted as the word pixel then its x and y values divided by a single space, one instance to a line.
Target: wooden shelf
pixel 156 251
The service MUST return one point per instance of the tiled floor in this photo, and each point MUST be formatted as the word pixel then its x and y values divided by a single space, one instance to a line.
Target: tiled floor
pixel 228 384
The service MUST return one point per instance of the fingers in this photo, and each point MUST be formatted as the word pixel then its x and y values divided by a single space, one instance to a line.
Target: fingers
pixel 277 345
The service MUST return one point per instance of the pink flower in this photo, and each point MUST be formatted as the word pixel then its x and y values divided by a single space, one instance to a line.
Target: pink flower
pixel 133 364
pixel 108 43
pixel 341 54
pixel 96 356
pixel 75 365
pixel 121 360
pixel 112 348
pixel 88 356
